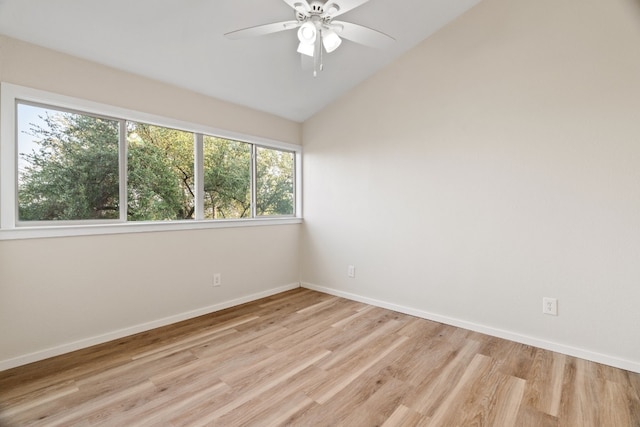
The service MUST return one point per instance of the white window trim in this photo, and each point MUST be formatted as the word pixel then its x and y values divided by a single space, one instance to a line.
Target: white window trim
pixel 10 93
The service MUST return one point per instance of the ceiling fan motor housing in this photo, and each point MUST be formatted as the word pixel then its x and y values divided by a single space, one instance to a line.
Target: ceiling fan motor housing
pixel 317 7
pixel 316 10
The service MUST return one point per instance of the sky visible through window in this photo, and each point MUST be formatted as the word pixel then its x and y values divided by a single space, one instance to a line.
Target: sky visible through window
pixel 27 117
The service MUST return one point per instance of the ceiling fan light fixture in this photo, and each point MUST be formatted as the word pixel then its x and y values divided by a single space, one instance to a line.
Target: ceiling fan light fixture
pixel 307 33
pixel 317 31
pixel 330 40
pixel 306 49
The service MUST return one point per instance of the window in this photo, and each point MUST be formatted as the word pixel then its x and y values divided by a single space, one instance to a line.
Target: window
pixel 227 178
pixel 160 173
pixel 275 178
pixel 67 165
pixel 71 163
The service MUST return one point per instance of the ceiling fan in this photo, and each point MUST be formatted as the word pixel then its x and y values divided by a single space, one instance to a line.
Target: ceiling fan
pixel 317 28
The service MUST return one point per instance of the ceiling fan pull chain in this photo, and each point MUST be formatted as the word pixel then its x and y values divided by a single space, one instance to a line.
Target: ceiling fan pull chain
pixel 321 53
pixel 317 54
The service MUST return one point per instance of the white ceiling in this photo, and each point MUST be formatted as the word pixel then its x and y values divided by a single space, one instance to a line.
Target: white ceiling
pixel 181 42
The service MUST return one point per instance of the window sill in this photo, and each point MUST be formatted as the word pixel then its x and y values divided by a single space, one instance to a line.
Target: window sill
pixel 41 232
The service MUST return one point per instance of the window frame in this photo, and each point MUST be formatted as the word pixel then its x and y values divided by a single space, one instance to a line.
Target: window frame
pixel 254 189
pixel 12 228
pixel 122 167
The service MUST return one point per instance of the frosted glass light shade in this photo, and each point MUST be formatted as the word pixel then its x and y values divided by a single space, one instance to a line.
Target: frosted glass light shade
pixel 306 49
pixel 307 33
pixel 330 40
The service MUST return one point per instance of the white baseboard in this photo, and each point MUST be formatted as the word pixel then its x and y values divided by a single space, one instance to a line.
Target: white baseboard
pixel 500 333
pixel 121 333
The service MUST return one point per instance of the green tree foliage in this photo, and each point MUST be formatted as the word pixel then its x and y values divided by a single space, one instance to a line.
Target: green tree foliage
pixel 160 184
pixel 227 178
pixel 71 173
pixel 275 179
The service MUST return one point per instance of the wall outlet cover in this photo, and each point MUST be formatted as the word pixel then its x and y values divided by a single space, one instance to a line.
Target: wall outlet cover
pixel 550 306
pixel 351 271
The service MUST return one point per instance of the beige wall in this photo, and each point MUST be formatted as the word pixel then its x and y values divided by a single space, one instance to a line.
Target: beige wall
pixel 28 65
pixel 61 293
pixel 495 164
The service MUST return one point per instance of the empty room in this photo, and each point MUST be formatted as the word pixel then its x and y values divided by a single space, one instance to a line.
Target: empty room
pixel 320 213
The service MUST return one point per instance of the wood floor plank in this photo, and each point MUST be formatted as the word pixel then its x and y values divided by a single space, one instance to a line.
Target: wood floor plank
pixel 40 397
pixel 88 408
pixel 405 417
pixel 580 390
pixel 531 417
pixel 253 392
pixel 251 375
pixel 280 403
pixel 164 411
pixel 616 413
pixel 174 394
pixel 381 403
pixel 280 415
pixel 352 398
pixel 303 358
pixel 421 329
pixel 448 412
pixel 243 343
pixel 348 350
pixel 195 339
pixel 633 392
pixel 422 361
pixel 507 402
pixel 318 306
pixel 345 374
pixel 357 314
pixel 342 338
pixel 435 387
pixel 544 389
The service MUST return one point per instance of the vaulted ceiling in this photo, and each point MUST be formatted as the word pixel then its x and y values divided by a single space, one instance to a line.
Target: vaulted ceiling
pixel 181 42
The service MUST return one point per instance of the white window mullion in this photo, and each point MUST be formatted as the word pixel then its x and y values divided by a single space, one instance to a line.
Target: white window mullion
pixel 122 162
pixel 198 168
pixel 254 181
pixel 297 186
pixel 9 162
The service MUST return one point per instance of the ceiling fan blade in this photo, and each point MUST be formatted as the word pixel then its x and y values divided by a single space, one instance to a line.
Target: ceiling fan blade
pixel 261 30
pixel 341 6
pixel 362 35
pixel 301 6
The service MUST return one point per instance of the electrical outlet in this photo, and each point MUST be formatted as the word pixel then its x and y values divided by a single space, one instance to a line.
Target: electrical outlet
pixel 550 306
pixel 217 280
pixel 351 271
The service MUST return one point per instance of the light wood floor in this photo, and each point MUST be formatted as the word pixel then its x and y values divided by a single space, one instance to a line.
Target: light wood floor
pixel 304 358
